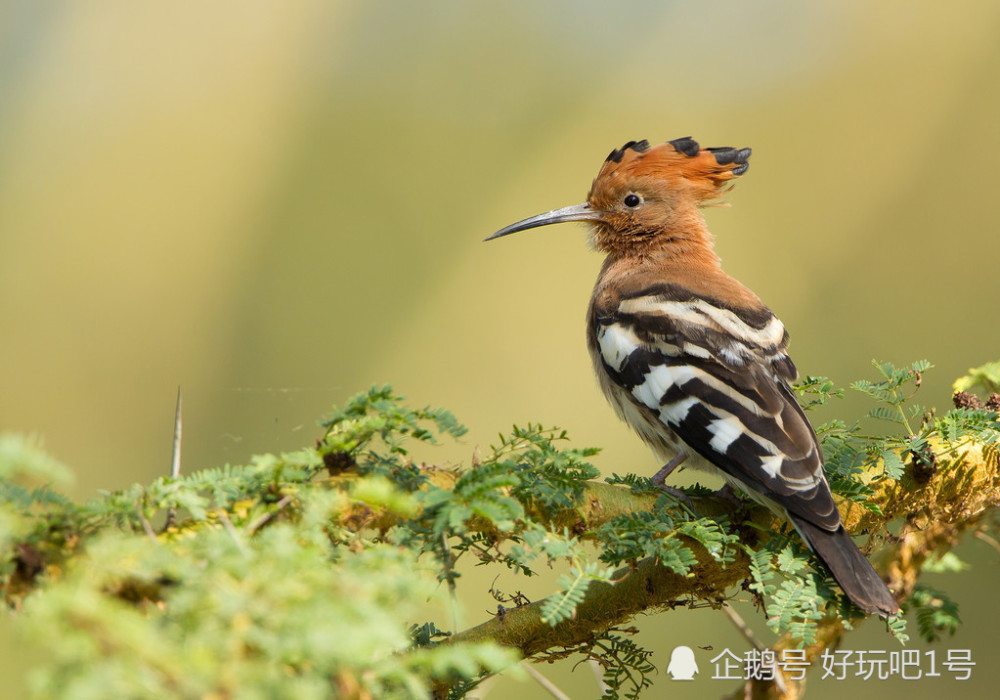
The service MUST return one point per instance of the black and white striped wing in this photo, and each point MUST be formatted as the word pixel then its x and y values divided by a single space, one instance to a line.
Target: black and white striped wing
pixel 718 378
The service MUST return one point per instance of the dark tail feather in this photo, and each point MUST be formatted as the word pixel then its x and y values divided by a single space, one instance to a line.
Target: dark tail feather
pixel 849 566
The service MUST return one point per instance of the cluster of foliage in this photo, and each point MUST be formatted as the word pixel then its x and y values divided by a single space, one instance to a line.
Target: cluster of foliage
pixel 309 574
pixel 260 588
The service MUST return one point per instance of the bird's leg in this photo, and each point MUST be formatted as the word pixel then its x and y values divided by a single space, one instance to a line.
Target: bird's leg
pixel 660 477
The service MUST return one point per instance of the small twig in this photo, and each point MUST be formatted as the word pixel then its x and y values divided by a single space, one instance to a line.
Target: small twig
pixel 263 519
pixel 231 529
pixel 175 461
pixel 146 525
pixel 545 682
pixel 449 567
pixel 980 534
pixel 175 458
pixel 598 670
pixel 742 626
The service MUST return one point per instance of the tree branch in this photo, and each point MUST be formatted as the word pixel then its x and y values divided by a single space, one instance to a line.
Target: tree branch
pixel 936 510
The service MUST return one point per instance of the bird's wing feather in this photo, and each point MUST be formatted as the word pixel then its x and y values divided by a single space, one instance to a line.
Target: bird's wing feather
pixel 718 377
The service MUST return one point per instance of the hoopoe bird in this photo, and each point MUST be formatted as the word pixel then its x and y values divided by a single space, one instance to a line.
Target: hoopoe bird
pixel 690 358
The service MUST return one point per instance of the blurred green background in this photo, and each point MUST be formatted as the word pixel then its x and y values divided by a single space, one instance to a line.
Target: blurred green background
pixel 275 205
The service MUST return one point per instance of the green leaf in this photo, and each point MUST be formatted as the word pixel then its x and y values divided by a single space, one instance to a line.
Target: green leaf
pixel 789 562
pixel 23 456
pixel 628 668
pixel 760 571
pixel 793 608
pixel 892 463
pixel 937 614
pixel 986 376
pixel 572 590
pixel 819 390
pixel 948 562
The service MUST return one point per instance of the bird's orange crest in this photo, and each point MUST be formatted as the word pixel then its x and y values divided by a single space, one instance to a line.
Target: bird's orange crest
pixel 681 164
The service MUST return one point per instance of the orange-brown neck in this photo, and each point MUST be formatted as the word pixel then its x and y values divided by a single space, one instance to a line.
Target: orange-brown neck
pixel 678 235
pixel 682 256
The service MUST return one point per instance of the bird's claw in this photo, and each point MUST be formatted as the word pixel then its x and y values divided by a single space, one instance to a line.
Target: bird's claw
pixel 677 494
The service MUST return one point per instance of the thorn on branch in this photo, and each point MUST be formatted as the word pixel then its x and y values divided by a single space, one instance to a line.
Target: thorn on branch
pixel 263 519
pixel 146 525
pixel 175 457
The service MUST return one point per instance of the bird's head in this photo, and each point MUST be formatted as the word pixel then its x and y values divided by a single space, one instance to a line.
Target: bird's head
pixel 647 196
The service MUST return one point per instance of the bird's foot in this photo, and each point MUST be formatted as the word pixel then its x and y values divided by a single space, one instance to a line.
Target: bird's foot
pixel 677 494
pixel 660 477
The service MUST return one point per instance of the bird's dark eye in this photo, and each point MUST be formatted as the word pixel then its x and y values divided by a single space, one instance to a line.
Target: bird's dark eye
pixel 632 200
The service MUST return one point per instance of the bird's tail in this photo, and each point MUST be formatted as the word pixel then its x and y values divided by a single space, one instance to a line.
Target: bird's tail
pixel 849 566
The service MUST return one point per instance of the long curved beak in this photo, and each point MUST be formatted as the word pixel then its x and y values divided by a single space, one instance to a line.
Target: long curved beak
pixel 577 212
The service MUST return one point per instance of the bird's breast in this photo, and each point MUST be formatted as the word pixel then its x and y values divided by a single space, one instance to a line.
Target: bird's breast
pixel 640 418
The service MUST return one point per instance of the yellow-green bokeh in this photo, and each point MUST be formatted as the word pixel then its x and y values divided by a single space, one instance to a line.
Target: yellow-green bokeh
pixel 275 205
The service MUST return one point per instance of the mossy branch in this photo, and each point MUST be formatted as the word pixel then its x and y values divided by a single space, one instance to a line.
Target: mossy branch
pixel 356 531
pixel 937 512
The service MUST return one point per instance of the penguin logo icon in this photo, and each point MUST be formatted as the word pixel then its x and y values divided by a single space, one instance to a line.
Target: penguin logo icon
pixel 682 666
